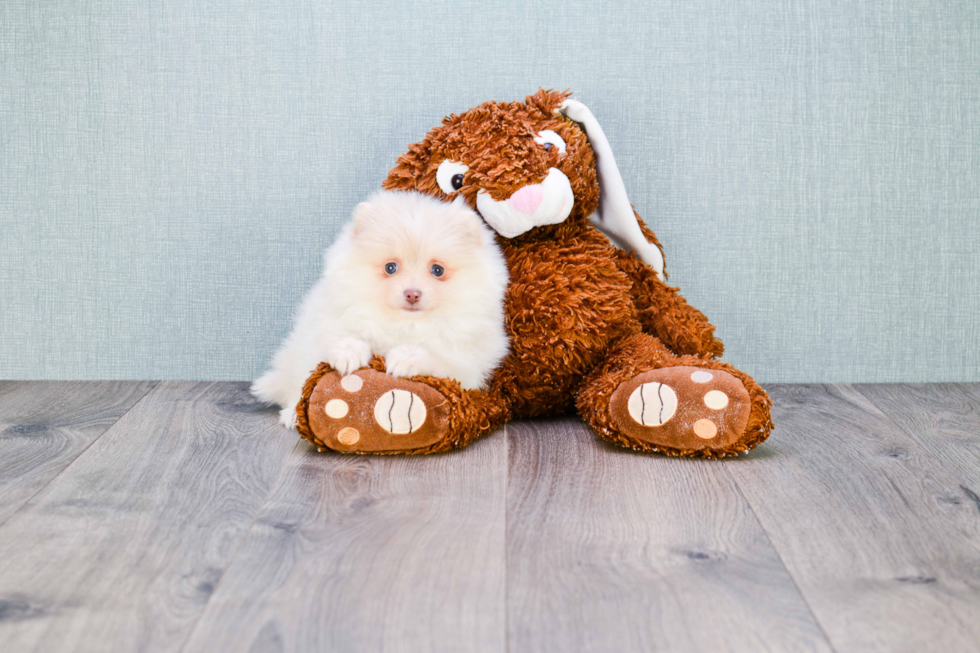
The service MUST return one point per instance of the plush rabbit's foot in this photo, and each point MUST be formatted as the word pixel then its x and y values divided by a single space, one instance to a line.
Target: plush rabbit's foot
pixel 372 412
pixel 682 408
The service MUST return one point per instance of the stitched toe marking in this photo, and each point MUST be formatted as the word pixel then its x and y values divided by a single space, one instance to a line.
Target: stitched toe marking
pixel 716 400
pixel 652 404
pixel 336 408
pixel 400 412
pixel 349 436
pixel 705 429
pixel 351 383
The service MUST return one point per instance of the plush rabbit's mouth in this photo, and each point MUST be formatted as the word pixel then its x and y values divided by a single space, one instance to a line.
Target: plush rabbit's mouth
pixel 534 205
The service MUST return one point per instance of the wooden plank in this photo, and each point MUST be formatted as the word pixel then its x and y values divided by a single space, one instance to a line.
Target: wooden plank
pixel 611 550
pixel 121 551
pixel 860 515
pixel 356 553
pixel 45 425
pixel 943 418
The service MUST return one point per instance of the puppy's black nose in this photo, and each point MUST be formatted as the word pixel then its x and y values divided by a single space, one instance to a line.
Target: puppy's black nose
pixel 413 296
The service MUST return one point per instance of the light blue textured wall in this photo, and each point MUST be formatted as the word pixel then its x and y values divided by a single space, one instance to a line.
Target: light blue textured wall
pixel 170 171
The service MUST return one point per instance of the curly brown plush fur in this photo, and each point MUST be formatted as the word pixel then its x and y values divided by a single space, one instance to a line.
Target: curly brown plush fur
pixel 583 316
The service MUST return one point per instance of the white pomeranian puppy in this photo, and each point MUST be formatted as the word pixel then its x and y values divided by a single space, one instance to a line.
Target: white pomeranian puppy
pixel 418 281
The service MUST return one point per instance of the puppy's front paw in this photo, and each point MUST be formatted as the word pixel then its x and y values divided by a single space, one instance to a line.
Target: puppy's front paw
pixel 348 354
pixel 287 417
pixel 409 360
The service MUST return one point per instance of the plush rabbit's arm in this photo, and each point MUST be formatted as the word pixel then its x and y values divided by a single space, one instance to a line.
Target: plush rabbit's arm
pixel 664 313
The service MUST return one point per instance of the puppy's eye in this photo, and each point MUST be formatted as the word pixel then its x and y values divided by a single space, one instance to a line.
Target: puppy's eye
pixel 437 270
pixel 549 139
pixel 449 176
pixel 391 267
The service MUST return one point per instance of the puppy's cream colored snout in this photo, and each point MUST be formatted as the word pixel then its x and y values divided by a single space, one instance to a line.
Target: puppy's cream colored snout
pixel 412 296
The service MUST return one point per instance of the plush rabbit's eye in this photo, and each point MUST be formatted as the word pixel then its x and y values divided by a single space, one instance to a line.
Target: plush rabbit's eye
pixel 449 176
pixel 550 139
pixel 437 270
pixel 391 267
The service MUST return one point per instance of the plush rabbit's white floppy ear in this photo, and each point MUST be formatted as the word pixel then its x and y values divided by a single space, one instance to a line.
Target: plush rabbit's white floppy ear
pixel 615 214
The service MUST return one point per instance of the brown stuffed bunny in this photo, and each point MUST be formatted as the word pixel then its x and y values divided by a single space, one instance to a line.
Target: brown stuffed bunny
pixel 593 327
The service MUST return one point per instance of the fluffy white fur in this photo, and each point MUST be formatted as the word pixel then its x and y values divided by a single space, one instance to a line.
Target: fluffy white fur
pixel 455 329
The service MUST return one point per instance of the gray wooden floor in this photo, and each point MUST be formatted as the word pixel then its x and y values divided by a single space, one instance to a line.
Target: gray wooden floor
pixel 179 516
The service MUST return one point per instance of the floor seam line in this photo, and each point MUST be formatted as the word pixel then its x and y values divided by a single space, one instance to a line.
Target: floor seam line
pixel 80 454
pixel 782 562
pixel 241 543
pixel 887 416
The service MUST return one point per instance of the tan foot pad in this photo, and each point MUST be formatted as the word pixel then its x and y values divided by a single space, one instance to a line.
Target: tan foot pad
pixel 368 411
pixel 682 407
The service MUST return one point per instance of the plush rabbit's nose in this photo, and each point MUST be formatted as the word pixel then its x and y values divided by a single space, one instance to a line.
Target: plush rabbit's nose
pixel 528 199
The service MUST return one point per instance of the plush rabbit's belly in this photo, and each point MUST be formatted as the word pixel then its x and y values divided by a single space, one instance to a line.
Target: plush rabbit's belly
pixel 566 304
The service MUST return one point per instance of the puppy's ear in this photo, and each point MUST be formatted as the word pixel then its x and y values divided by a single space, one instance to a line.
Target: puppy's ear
pixel 365 214
pixel 469 223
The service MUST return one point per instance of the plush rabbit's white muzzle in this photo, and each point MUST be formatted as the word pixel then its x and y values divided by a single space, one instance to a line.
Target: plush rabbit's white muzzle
pixel 534 205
